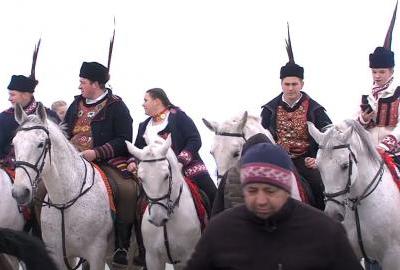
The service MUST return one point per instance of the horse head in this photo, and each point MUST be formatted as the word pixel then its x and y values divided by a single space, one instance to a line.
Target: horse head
pixel 230 137
pixel 157 171
pixel 341 148
pixel 32 152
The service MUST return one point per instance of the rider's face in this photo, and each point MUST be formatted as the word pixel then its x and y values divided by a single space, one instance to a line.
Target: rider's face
pixel 381 75
pixel 22 98
pixel 263 199
pixel 291 87
pixel 150 105
pixel 87 87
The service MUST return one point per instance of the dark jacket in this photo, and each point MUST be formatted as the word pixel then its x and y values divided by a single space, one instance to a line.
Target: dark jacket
pixel 316 114
pixel 110 127
pixel 184 134
pixel 298 237
pixel 8 125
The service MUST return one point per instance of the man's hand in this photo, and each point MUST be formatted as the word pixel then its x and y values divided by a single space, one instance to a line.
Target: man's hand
pixel 132 167
pixel 367 117
pixel 310 163
pixel 89 155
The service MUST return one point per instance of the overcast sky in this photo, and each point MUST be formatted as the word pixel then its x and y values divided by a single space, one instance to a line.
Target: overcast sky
pixel 214 58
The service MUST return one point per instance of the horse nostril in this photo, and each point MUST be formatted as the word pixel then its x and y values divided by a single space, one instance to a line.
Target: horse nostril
pixel 339 217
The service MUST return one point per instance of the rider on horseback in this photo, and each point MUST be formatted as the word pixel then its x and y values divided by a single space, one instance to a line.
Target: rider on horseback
pixel 286 118
pixel 99 122
pixel 380 109
pixel 20 91
pixel 165 119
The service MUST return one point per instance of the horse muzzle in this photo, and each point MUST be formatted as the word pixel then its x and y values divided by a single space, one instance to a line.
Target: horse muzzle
pixel 21 194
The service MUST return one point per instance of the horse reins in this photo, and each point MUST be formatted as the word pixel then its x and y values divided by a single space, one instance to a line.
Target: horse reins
pixel 169 206
pixel 34 183
pixel 357 200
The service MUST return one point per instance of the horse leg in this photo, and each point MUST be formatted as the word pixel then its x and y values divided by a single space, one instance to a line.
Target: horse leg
pixel 153 262
pixel 97 255
pixel 391 259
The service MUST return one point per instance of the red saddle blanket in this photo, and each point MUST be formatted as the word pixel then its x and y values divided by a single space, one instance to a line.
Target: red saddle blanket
pixel 197 200
pixel 198 203
pixel 394 171
pixel 108 187
pixel 303 195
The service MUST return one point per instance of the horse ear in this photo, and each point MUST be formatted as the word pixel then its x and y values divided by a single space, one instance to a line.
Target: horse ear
pixel 166 145
pixel 213 126
pixel 346 134
pixel 41 112
pixel 19 114
pixel 243 120
pixel 315 133
pixel 134 151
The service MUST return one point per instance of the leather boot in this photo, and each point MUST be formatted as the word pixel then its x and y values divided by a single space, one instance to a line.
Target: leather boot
pixel 140 259
pixel 122 239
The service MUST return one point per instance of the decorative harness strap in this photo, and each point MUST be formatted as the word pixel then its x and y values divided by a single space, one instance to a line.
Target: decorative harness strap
pixel 169 206
pixel 357 200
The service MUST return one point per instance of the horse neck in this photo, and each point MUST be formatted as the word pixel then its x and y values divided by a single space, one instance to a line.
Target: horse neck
pixel 367 170
pixel 64 176
pixel 252 128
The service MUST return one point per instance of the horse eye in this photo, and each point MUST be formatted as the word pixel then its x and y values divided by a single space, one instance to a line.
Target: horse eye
pixel 41 145
pixel 344 166
pixel 236 154
pixel 166 177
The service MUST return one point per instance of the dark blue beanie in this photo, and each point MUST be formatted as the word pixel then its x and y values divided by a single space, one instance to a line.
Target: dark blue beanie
pixel 267 163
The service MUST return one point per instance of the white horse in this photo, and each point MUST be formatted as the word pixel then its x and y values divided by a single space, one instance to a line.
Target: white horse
pixel 78 203
pixel 10 216
pixel 170 225
pixel 360 191
pixel 229 139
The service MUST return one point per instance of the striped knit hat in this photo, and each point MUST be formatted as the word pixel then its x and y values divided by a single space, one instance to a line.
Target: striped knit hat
pixel 266 163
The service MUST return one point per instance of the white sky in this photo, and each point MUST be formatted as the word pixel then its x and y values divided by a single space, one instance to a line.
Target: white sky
pixel 214 58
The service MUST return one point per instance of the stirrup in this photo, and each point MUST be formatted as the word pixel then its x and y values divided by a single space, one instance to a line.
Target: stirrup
pixel 120 258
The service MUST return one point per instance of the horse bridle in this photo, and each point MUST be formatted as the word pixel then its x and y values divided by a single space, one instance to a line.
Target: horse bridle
pixel 356 201
pixel 368 190
pixel 38 168
pixel 170 205
pixel 229 134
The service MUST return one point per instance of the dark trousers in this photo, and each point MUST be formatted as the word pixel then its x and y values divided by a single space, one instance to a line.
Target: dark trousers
pixel 313 178
pixel 206 184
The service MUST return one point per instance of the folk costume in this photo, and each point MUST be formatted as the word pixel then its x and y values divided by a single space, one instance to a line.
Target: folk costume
pixel 103 125
pixel 288 125
pixel 384 100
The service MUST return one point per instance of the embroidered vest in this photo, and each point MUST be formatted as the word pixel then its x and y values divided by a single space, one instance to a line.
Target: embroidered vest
pixel 82 132
pixel 291 129
pixel 388 110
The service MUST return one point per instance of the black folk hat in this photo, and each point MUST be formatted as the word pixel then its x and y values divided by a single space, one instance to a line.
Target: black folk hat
pixel 291 69
pixel 22 83
pixel 383 57
pixel 95 71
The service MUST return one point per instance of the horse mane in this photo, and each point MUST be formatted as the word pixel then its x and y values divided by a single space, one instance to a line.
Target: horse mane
pixel 364 142
pixel 28 249
pixel 55 129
